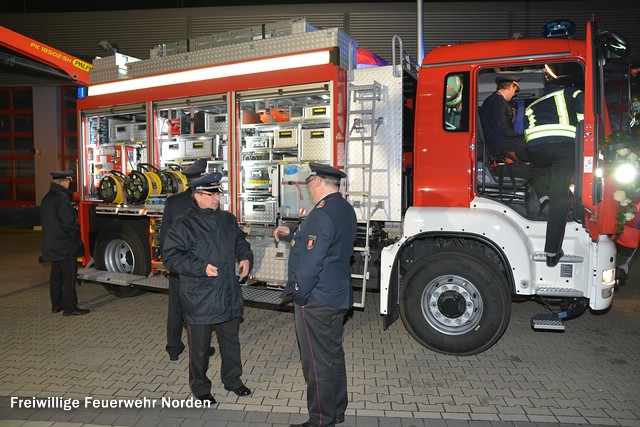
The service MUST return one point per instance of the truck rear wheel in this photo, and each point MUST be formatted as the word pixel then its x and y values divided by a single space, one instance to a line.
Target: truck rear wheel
pixel 455 302
pixel 120 249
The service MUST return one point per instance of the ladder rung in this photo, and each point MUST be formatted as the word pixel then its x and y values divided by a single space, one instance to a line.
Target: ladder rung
pixel 360 138
pixel 361 112
pixel 357 193
pixel 358 166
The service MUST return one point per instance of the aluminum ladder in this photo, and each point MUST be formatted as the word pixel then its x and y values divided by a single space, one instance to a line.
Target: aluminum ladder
pixel 361 116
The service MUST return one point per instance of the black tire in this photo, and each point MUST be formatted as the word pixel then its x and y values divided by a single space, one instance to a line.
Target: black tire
pixel 120 249
pixel 455 301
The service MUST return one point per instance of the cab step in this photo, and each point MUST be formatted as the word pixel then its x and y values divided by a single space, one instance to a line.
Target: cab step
pixel 547 322
pixel 567 259
pixel 559 292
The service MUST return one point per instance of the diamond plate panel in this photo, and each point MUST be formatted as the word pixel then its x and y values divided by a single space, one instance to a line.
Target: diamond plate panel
pixel 270 262
pixel 386 188
pixel 250 50
pixel 264 295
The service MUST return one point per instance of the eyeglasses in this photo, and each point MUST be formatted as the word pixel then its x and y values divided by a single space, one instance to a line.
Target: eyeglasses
pixel 206 194
pixel 309 179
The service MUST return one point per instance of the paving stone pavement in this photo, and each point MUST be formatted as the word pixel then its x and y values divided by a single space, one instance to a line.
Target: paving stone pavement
pixel 588 375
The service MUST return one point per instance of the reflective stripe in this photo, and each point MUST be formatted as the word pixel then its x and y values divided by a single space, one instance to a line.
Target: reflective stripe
pixel 550 130
pixel 563 128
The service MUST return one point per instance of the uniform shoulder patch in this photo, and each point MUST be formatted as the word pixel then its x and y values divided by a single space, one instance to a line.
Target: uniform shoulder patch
pixel 311 242
pixel 321 204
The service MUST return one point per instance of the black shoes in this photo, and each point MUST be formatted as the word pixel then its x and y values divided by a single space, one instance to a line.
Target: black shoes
pixel 300 425
pixel 56 309
pixel 552 261
pixel 75 312
pixel 240 391
pixel 174 357
pixel 206 398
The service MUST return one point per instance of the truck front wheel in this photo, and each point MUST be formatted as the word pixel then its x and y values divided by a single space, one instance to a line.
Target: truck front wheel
pixel 455 301
pixel 119 249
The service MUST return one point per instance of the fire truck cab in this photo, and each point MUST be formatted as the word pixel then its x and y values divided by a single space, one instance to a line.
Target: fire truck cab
pixel 447 237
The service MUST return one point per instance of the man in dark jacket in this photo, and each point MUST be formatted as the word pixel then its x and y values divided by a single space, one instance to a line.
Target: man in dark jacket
pixel 174 206
pixel 320 281
pixel 61 244
pixel 203 246
pixel 497 119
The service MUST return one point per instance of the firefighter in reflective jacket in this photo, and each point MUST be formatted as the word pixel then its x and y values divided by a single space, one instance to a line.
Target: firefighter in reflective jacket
pixel 550 138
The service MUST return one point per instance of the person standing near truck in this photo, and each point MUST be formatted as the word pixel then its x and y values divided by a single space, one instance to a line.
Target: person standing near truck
pixel 203 246
pixel 320 281
pixel 174 206
pixel 61 244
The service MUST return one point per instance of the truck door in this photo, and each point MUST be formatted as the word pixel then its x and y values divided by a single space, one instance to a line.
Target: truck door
pixel 588 187
pixel 590 183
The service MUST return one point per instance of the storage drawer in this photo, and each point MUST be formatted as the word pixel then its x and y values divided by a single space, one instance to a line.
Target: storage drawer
pixel 261 141
pixel 256 178
pixel 316 144
pixel 172 150
pixel 286 138
pixel 129 132
pixel 321 112
pixel 216 123
pixel 138 131
pixel 258 211
pixel 196 148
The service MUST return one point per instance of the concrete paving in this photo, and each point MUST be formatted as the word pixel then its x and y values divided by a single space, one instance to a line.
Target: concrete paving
pixel 114 356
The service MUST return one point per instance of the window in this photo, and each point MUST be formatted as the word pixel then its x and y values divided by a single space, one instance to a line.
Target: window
pixel 17 176
pixel 69 128
pixel 456 104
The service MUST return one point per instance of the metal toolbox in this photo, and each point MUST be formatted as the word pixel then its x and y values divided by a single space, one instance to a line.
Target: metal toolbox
pixel 317 112
pixel 128 132
pixel 286 138
pixel 197 147
pixel 256 142
pixel 258 210
pixel 316 144
pixel 216 123
pixel 256 178
pixel 172 150
pixel 271 261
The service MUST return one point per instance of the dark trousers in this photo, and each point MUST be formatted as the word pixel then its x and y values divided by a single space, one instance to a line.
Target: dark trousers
pixel 175 321
pixel 320 330
pixel 229 346
pixel 553 166
pixel 62 284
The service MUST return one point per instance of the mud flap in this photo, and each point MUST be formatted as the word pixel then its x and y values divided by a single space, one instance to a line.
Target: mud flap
pixel 393 308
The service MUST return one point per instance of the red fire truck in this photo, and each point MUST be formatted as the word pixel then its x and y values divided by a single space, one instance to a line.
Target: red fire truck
pixel 447 238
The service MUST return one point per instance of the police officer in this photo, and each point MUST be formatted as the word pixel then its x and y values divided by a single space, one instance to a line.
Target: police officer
pixel 550 136
pixel 497 119
pixel 203 246
pixel 61 244
pixel 320 281
pixel 174 206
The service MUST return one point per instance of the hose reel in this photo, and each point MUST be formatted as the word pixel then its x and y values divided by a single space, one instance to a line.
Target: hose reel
pixel 111 187
pixel 143 183
pixel 173 180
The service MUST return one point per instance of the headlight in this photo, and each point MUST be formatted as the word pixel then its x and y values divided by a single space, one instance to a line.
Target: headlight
pixel 609 277
pixel 625 173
